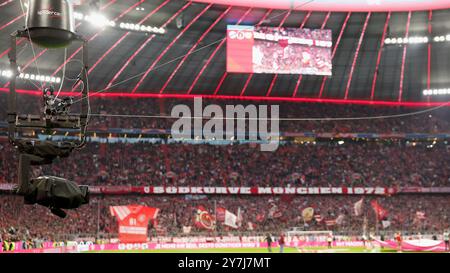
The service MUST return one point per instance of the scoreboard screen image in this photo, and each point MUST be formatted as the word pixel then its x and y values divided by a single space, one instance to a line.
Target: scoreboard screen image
pixel 278 50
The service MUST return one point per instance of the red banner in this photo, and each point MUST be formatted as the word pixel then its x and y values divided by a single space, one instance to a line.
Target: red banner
pixel 110 190
pixel 220 214
pixel 270 190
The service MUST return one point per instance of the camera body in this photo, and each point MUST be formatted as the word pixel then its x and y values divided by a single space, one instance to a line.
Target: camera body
pixel 56 193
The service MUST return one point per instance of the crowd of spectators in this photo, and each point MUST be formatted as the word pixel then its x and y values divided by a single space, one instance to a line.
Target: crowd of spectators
pixel 21 222
pixel 321 163
pixel 374 164
pixel 423 122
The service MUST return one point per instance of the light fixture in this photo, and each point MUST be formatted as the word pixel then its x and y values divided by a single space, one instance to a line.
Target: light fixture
pixel 407 40
pixel 27 76
pixel 436 92
pixel 99 20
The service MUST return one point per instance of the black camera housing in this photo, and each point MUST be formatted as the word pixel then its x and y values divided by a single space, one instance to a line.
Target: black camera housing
pixel 56 194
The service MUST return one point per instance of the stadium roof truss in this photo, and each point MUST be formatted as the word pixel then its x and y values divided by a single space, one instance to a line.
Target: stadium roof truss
pixel 189 59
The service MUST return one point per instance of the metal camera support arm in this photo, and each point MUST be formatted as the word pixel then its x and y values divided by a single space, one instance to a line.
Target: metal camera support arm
pixel 74 121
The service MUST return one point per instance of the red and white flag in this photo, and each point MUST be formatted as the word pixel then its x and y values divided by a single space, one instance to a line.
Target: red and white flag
pixel 340 219
pixel 330 222
pixel 250 226
pixel 318 218
pixel 260 217
pixel 220 214
pixel 133 221
pixel 420 215
pixel 204 220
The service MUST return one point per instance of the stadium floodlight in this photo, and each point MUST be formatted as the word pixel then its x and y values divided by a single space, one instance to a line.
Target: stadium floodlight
pixel 97 19
pixel 100 20
pixel 439 38
pixel 27 76
pixel 440 91
pixel 6 73
pixel 78 16
pixel 407 40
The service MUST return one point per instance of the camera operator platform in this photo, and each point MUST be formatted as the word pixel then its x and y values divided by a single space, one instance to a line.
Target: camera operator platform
pixel 48 30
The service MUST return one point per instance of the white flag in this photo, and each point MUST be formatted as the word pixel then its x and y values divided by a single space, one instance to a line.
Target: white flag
pixel 385 223
pixel 358 207
pixel 230 219
pixel 340 219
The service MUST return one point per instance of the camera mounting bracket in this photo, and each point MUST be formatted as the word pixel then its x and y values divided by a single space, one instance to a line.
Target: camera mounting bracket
pixel 19 122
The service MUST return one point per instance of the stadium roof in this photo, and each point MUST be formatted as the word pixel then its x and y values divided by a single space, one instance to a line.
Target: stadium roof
pixel 364 69
pixel 342 5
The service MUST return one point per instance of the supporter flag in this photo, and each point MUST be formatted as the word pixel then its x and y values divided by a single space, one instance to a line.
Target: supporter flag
pixel 340 219
pixel 187 229
pixel 133 222
pixel 220 214
pixel 230 219
pixel 379 211
pixel 260 217
pixel 358 207
pixel 277 214
pixel 318 218
pixel 420 215
pixel 385 224
pixel 204 220
pixel 308 214
pixel 250 226
pixel 274 212
pixel 330 222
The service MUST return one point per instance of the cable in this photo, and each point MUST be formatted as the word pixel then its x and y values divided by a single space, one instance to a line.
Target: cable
pixel 31 43
pixel 83 140
pixel 281 119
pixel 81 70
pixel 63 76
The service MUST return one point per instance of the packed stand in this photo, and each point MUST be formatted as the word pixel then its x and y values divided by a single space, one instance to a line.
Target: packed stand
pixel 371 164
pixel 435 121
pixel 27 223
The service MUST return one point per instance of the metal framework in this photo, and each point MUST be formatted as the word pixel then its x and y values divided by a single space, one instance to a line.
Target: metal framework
pixel 18 121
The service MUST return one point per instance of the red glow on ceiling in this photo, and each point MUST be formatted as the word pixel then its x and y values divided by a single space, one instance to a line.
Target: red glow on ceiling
pixel 338 6
pixel 230 97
